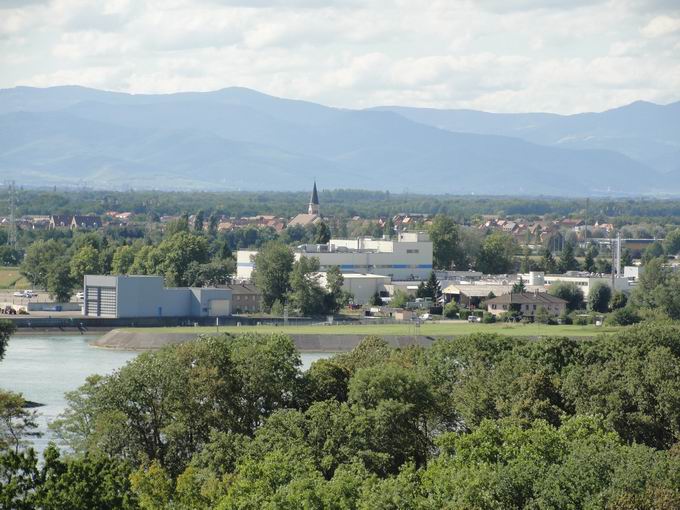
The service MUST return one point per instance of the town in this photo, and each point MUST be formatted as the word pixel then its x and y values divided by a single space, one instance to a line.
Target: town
pixel 400 268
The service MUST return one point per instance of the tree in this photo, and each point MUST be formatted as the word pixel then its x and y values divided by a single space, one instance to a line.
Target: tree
pixel 39 259
pixel 519 287
pixel 199 220
pixel 672 242
pixel 570 292
pixel 619 300
pixel 655 274
pixel 451 310
pixel 9 256
pixel 432 287
pixel 568 261
pixel 84 261
pixel 215 272
pixel 388 230
pixel 173 256
pixel 399 299
pixel 16 422
pixel 496 254
pixel 123 258
pixel 273 266
pixel 213 223
pixel 323 233
pixel 59 281
pixel 180 225
pixel 446 249
pixel 542 315
pixel 589 261
pixel 652 251
pixel 7 329
pixel 599 296
pixel 548 262
pixel 626 258
pixel 335 297
pixel 306 294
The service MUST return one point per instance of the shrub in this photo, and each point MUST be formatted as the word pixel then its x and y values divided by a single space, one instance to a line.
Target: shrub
pixel 488 318
pixel 542 315
pixel 451 310
pixel 464 314
pixel 619 300
pixel 623 317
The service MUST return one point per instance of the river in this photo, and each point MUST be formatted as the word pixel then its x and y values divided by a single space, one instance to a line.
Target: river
pixel 44 367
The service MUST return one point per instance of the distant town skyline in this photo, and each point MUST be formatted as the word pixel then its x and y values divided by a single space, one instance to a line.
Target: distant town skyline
pixel 562 56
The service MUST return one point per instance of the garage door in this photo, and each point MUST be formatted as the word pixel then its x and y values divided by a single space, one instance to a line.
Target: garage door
pixel 100 301
pixel 219 308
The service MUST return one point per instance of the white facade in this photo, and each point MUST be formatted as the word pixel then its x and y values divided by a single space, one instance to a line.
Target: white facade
pixel 407 258
pixel 585 283
pixel 361 286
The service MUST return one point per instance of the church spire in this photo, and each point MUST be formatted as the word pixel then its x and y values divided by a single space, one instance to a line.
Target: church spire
pixel 314 201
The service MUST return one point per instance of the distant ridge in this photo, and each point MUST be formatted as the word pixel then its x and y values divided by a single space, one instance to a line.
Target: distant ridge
pixel 237 138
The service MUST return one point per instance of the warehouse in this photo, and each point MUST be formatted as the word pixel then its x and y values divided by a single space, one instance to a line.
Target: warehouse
pixel 146 296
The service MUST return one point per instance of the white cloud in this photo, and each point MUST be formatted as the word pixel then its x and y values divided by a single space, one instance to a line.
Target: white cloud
pixel 660 26
pixel 549 55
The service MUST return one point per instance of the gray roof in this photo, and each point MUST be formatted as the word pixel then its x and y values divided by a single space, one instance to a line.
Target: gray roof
pixel 526 298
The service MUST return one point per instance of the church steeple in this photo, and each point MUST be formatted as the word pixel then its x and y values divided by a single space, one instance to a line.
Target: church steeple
pixel 314 201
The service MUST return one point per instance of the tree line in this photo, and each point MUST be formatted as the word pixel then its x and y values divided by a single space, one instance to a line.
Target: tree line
pixel 480 421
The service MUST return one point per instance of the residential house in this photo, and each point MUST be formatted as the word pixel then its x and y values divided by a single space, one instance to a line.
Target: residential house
pixel 526 304
pixel 85 222
pixel 60 221
pixel 246 298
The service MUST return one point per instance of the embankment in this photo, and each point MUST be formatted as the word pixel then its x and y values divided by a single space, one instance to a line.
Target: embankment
pixel 147 341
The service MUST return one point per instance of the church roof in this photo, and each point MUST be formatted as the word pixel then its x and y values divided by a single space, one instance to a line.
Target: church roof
pixel 315 196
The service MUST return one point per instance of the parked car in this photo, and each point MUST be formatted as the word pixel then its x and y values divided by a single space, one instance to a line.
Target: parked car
pixel 474 318
pixel 80 296
pixel 25 294
pixel 426 317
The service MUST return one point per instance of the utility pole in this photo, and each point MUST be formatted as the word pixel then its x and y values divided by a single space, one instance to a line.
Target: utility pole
pixel 12 237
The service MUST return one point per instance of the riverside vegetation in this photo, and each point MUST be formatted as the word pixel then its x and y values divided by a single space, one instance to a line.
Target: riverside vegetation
pixel 474 422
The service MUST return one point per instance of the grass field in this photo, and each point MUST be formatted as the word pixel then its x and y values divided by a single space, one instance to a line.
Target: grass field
pixel 427 329
pixel 11 279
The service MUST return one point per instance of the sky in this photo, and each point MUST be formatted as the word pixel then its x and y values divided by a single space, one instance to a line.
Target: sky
pixel 562 56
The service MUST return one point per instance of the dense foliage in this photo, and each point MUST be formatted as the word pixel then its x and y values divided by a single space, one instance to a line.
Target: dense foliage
pixel 482 421
pixel 346 203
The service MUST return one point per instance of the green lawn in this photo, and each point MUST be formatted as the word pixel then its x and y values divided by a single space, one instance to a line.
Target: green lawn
pixel 11 279
pixel 428 329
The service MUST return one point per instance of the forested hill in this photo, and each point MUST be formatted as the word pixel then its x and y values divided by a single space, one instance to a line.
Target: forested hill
pixel 240 139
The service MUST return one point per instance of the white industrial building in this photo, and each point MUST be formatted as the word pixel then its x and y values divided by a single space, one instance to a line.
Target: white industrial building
pixel 362 286
pixel 409 257
pixel 585 281
pixel 145 296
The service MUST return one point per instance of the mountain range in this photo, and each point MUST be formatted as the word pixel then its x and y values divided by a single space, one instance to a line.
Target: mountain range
pixel 238 138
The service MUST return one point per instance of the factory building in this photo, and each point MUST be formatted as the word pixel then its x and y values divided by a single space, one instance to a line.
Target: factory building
pixel 146 296
pixel 409 257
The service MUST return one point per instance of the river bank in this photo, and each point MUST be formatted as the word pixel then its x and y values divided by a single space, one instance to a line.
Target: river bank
pixel 119 339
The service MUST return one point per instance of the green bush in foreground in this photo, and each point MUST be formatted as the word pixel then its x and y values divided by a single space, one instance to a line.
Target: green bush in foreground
pixel 482 421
